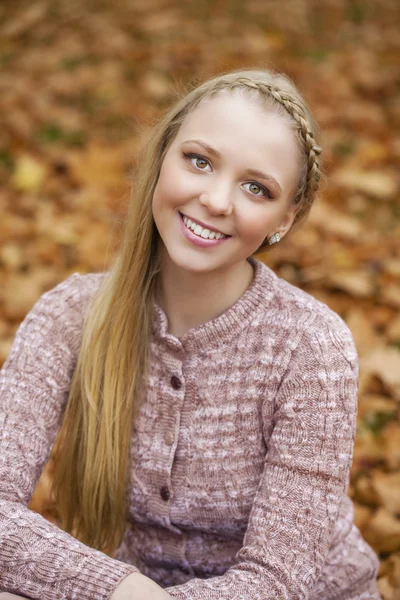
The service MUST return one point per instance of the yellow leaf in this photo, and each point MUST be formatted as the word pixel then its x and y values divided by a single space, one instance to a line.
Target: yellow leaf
pixel 29 173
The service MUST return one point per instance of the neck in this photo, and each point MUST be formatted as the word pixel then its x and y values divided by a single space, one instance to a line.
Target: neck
pixel 191 299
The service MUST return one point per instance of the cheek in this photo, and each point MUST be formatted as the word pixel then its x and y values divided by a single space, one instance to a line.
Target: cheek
pixel 255 221
pixel 171 189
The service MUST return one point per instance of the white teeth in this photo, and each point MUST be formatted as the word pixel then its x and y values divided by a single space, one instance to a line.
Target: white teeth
pixel 204 233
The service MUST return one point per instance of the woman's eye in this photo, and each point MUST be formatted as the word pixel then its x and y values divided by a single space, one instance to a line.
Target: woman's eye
pixel 198 161
pixel 255 189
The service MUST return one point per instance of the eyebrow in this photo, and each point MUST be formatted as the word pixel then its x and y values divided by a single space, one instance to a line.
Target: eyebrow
pixel 252 172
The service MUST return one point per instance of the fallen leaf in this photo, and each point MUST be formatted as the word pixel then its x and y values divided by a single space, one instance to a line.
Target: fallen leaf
pixel 364 333
pixel 390 293
pixel 155 85
pixel 392 437
pixel 99 166
pixel 385 363
pixel 383 532
pixel 392 266
pixel 362 515
pixel 22 291
pixel 393 569
pixel 29 173
pixel 385 588
pixel 393 330
pixel 356 283
pixel 372 183
pixel 370 404
pixel 5 347
pixel 335 222
pixel 364 491
pixel 387 487
pixel 12 256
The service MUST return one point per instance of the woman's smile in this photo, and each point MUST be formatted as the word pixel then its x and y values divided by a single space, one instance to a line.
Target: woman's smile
pixel 201 229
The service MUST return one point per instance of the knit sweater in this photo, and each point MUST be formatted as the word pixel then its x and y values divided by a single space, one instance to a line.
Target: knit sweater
pixel 241 454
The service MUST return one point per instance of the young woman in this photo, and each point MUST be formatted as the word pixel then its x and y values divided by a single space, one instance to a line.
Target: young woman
pixel 203 409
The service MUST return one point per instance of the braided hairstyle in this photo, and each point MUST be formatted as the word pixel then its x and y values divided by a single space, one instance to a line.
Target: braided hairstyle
pixel 279 93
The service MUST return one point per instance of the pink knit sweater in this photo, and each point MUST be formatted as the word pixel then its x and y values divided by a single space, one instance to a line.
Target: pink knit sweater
pixel 241 455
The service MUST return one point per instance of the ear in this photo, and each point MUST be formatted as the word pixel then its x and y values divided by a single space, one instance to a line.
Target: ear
pixel 287 220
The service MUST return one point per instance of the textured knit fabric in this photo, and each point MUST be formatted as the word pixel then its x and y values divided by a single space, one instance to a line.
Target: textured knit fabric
pixel 241 454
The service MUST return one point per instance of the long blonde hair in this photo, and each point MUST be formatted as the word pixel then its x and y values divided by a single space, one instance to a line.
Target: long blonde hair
pixel 92 451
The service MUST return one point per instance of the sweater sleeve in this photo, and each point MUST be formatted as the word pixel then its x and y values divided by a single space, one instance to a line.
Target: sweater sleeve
pixel 37 559
pixel 305 474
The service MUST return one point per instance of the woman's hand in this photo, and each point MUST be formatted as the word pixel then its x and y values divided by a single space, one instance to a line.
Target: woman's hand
pixel 139 587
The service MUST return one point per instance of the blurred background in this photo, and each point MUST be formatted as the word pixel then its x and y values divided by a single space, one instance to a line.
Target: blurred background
pixel 81 83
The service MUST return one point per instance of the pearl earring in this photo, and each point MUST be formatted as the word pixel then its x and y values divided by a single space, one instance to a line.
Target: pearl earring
pixel 274 238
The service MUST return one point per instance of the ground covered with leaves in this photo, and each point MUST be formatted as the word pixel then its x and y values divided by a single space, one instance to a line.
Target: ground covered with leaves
pixel 82 82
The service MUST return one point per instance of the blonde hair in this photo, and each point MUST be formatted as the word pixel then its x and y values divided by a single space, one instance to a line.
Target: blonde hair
pixel 92 451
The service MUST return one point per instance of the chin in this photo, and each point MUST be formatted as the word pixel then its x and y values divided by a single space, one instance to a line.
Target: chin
pixel 192 264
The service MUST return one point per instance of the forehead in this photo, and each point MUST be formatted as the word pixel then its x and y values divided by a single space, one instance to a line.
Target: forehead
pixel 238 118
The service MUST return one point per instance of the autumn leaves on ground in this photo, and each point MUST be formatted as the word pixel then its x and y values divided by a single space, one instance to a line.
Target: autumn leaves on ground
pixel 81 83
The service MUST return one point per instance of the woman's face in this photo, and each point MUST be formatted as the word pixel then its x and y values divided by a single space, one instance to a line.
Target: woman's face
pixel 232 168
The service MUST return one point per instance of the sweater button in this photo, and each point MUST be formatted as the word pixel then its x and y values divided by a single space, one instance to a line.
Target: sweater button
pixel 169 438
pixel 165 493
pixel 176 382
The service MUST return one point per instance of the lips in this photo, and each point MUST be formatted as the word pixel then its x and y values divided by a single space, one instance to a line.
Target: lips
pixel 204 225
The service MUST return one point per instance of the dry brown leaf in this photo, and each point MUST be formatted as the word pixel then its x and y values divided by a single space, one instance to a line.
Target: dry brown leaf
pixel 371 153
pixel 385 363
pixel 99 166
pixel 381 316
pixel 22 291
pixel 394 570
pixel 332 221
pixel 357 283
pixel 387 487
pixel 364 334
pixel 392 437
pixel 375 403
pixel 155 85
pixel 372 183
pixel 362 515
pixel 392 266
pixel 5 347
pixel 369 451
pixel 383 532
pixel 25 20
pixel 393 331
pixel 12 256
pixel 390 293
pixel 385 588
pixel 389 573
pixel 363 491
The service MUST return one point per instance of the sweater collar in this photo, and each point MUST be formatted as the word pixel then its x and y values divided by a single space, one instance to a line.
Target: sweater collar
pixel 226 326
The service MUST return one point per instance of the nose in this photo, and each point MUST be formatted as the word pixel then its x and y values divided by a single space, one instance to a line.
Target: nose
pixel 218 201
